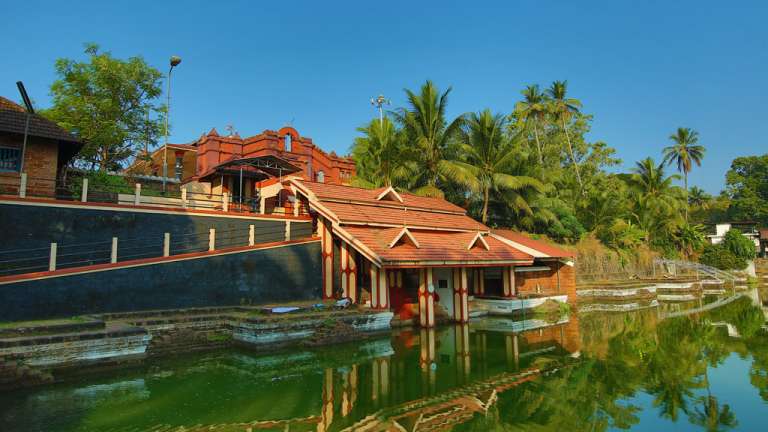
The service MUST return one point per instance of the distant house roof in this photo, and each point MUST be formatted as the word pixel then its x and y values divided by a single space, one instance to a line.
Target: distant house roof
pixel 537 248
pixel 13 118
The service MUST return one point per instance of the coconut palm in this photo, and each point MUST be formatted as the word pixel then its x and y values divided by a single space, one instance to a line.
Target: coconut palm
pixel 698 198
pixel 531 111
pixel 690 238
pixel 487 159
pixel 380 155
pixel 427 130
pixel 684 152
pixel 563 108
pixel 656 199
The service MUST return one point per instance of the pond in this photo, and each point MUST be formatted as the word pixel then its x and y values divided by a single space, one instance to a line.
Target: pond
pixel 681 366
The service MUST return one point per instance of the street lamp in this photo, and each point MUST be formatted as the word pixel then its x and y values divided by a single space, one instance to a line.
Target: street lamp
pixel 175 60
pixel 379 101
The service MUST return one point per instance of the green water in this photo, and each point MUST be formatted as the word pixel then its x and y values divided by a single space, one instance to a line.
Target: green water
pixel 644 370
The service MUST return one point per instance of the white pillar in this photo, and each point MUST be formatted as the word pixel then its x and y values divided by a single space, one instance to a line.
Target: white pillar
pixel 113 255
pixel 296 205
pixel 287 230
pixel 52 259
pixel 137 195
pixel 84 192
pixel 184 197
pixel 251 235
pixel 263 205
pixel 23 185
pixel 166 244
pixel 225 201
pixel 211 239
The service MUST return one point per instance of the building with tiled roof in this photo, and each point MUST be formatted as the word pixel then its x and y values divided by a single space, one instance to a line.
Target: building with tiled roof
pixel 48 149
pixel 420 256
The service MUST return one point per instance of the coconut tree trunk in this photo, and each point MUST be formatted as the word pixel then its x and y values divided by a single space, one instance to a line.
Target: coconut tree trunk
pixel 685 181
pixel 486 194
pixel 538 143
pixel 573 157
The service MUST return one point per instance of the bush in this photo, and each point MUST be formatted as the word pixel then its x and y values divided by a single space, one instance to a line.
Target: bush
pixel 739 245
pixel 719 256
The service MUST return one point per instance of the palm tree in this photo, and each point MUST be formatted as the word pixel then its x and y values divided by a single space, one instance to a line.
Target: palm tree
pixel 690 238
pixel 380 155
pixel 698 198
pixel 563 108
pixel 656 197
pixel 487 158
pixel 684 152
pixel 531 110
pixel 426 127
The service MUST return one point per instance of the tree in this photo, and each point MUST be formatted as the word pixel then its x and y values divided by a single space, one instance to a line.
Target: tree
pixel 426 127
pixel 698 198
pixel 656 200
pixel 105 102
pixel 563 108
pixel 684 152
pixel 747 186
pixel 380 155
pixel 740 246
pixel 690 238
pixel 531 111
pixel 486 160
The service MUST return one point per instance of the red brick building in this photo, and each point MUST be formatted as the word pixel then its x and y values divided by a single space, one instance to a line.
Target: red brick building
pixel 49 148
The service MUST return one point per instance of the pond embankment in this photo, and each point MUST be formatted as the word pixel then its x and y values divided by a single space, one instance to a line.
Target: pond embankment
pixel 42 352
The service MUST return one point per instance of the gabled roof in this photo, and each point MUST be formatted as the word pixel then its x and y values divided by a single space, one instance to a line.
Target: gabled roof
pixel 389 192
pixel 13 118
pixel 478 238
pixel 536 248
pixel 404 233
pixel 435 248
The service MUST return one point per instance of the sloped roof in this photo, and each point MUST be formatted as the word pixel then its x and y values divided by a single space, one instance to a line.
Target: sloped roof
pixel 335 192
pixel 13 118
pixel 353 213
pixel 435 247
pixel 545 250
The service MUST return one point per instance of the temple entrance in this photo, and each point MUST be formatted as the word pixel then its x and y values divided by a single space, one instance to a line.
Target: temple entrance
pixel 443 280
pixel 494 284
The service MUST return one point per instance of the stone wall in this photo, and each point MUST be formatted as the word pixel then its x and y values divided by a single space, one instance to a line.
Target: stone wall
pixel 277 274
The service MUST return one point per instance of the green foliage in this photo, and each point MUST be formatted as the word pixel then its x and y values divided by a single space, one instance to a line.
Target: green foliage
pixel 106 102
pixel 719 256
pixel 747 187
pixel 740 246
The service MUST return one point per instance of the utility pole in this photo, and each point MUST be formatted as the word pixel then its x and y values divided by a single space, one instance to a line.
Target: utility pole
pixel 175 60
pixel 379 102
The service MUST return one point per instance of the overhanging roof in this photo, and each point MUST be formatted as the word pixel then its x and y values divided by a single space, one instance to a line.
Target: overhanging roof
pixel 260 167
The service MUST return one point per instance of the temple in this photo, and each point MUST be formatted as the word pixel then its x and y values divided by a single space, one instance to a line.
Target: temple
pixel 424 258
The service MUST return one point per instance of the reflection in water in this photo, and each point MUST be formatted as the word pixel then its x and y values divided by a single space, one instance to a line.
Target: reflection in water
pixel 648 369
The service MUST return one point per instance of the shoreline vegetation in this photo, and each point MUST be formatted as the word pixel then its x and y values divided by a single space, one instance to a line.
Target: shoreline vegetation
pixel 534 170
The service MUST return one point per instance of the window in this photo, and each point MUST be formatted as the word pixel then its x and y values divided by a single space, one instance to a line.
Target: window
pixel 320 177
pixel 179 166
pixel 10 159
pixel 288 143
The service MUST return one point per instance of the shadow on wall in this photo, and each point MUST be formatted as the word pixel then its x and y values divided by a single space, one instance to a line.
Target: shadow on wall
pixel 279 274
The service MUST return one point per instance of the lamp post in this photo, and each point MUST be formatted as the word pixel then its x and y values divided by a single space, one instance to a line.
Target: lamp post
pixel 379 101
pixel 175 60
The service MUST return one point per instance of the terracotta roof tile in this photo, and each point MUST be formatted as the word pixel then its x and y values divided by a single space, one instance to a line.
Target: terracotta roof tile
pixel 543 247
pixel 350 193
pixel 13 118
pixel 370 214
pixel 434 246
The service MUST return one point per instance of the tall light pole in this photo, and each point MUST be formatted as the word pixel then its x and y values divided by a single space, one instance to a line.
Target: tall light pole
pixel 175 60
pixel 379 101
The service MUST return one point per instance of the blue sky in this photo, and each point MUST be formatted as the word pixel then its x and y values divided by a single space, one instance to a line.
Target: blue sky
pixel 642 68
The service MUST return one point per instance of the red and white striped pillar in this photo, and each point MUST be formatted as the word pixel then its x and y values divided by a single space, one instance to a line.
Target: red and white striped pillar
pixel 326 237
pixel 460 295
pixel 348 272
pixel 479 282
pixel 508 279
pixel 426 298
pixel 379 288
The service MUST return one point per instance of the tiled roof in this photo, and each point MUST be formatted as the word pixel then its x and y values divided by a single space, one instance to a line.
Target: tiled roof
pixel 13 118
pixel 545 249
pixel 348 193
pixel 434 246
pixel 351 213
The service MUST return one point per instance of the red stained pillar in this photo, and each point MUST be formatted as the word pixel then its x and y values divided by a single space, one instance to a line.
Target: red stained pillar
pixel 379 288
pixel 426 298
pixel 508 276
pixel 326 236
pixel 460 295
